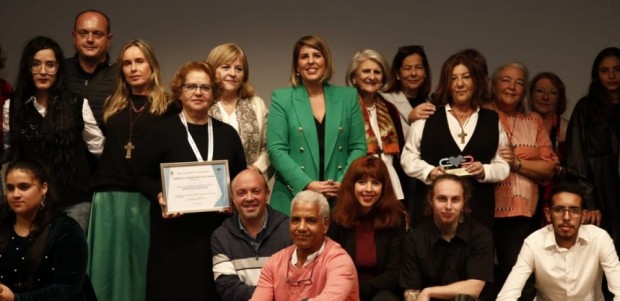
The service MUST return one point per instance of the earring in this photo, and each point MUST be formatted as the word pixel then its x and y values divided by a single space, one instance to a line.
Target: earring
pixel 354 82
pixel 42 203
pixel 297 74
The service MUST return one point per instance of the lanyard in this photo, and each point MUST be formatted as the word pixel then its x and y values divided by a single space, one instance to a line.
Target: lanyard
pixel 192 143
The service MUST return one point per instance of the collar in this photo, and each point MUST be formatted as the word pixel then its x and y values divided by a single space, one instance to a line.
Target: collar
pixel 310 258
pixel 242 227
pixel 462 232
pixel 107 63
pixel 583 237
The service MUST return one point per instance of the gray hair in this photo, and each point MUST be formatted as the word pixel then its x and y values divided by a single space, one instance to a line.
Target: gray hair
pixel 524 105
pixel 309 196
pixel 365 55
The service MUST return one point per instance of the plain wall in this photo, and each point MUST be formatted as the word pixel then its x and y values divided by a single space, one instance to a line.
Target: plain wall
pixel 558 36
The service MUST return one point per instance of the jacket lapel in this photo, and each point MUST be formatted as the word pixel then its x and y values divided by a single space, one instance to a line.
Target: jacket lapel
pixel 333 115
pixel 303 111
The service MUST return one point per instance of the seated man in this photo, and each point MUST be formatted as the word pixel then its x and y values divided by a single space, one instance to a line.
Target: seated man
pixel 448 256
pixel 315 267
pixel 567 258
pixel 243 242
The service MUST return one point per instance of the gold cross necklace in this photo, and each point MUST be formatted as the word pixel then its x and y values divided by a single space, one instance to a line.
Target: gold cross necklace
pixel 462 135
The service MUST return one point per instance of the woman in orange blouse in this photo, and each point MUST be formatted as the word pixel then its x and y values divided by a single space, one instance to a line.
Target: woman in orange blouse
pixel 531 160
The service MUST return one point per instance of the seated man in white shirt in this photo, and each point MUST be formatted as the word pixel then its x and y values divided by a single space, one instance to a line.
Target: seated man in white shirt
pixel 568 258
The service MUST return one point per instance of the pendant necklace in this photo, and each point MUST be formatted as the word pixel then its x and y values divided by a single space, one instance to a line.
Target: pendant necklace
pixel 510 133
pixel 129 147
pixel 462 135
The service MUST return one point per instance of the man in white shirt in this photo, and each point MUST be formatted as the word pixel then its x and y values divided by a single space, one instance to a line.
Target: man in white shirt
pixel 568 258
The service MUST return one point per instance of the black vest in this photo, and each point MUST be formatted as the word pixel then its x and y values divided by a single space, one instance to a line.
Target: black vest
pixel 437 143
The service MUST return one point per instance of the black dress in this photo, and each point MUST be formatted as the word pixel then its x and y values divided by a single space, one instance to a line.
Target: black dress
pixel 180 263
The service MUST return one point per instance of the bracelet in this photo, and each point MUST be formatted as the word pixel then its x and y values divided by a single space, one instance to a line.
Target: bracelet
pixel 411 295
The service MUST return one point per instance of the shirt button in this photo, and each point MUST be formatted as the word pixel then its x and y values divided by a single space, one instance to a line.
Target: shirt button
pixel 301 149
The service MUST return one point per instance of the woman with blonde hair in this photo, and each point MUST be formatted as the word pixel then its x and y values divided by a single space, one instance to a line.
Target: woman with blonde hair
pixel 315 129
pixel 239 106
pixel 120 214
pixel 369 73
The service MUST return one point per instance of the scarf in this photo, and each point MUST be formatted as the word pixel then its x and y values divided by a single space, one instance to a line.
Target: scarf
pixel 387 130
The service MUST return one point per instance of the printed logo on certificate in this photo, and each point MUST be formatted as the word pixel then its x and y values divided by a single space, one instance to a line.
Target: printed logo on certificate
pixel 454 165
pixel 190 187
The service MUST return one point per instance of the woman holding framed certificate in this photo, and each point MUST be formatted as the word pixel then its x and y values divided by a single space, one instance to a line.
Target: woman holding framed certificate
pixel 180 263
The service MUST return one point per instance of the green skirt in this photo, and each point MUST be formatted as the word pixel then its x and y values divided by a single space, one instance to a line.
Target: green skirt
pixel 118 240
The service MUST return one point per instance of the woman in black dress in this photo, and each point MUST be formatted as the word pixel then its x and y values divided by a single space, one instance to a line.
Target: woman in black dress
pixel 180 264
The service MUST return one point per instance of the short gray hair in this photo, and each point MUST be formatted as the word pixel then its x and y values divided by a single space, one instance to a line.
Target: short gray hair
pixel 524 105
pixel 309 196
pixel 372 55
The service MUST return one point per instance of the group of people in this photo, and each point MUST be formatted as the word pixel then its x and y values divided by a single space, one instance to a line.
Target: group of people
pixel 382 190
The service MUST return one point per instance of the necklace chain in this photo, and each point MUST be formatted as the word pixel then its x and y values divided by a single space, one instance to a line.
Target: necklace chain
pixel 129 146
pixel 462 135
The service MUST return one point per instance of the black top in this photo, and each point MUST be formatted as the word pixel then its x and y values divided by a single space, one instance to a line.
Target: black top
pixel 389 246
pixel 437 143
pixel 62 273
pixel 95 87
pixel 116 172
pixel 432 261
pixel 592 155
pixel 320 133
pixel 180 265
pixel 56 140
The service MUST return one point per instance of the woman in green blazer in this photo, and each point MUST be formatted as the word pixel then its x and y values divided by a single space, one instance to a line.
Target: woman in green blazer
pixel 314 130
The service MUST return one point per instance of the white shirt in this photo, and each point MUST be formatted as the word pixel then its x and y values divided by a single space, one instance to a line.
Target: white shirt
pixel 230 119
pixel 309 258
pixel 573 274
pixel 387 158
pixel 92 135
pixel 414 166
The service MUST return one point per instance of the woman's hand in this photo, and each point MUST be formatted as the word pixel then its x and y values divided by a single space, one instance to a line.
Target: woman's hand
pixel 475 169
pixel 508 154
pixel 436 172
pixel 6 294
pixel 162 206
pixel 421 111
pixel 328 188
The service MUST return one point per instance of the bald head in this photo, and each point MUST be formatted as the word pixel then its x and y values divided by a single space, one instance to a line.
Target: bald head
pixel 250 194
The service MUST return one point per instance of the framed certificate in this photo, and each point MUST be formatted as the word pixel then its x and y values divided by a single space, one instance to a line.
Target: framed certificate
pixel 195 186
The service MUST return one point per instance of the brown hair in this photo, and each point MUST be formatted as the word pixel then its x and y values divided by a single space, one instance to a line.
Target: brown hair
pixel 386 212
pixel 557 83
pixel 467 193
pixel 476 65
pixel 319 44
pixel 229 52
pixel 179 78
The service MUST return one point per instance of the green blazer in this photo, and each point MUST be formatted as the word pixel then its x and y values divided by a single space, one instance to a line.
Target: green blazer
pixel 293 145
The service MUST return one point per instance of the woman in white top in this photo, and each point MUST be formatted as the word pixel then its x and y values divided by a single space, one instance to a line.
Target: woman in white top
pixel 459 134
pixel 369 73
pixel 239 106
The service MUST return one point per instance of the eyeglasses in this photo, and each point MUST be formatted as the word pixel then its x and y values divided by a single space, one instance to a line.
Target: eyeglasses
pixel 85 34
pixel 300 282
pixel 560 211
pixel 549 93
pixel 191 88
pixel 50 66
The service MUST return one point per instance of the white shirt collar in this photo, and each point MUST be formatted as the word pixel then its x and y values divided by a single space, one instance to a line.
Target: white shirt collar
pixel 310 258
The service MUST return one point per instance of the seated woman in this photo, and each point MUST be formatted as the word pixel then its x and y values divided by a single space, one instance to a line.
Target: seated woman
pixel 369 73
pixel 370 224
pixel 180 266
pixel 42 251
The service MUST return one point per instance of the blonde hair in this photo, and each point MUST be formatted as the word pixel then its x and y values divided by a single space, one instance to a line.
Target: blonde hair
pixel 160 100
pixel 369 55
pixel 319 44
pixel 226 53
